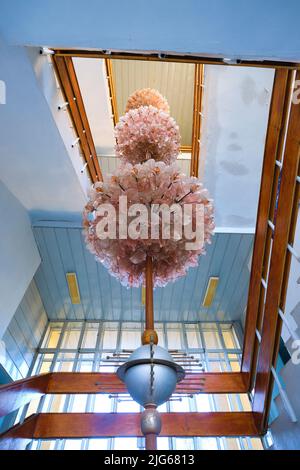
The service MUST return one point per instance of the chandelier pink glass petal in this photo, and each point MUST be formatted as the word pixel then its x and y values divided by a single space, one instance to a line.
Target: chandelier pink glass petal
pixel 149 183
pixel 147 132
pixel 148 143
pixel 147 97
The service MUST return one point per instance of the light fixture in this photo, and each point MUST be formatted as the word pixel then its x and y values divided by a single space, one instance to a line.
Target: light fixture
pixel 154 370
pixel 210 291
pixel 73 288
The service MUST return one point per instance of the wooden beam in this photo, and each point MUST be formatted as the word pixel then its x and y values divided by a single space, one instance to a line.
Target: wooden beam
pixel 88 425
pixel 172 57
pixel 276 126
pixel 70 87
pixel 197 118
pixel 112 90
pixel 93 382
pixel 18 436
pixel 19 393
pixel 276 288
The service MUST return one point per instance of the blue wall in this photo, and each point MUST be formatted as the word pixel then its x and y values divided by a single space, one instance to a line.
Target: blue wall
pixel 23 334
pixel 19 256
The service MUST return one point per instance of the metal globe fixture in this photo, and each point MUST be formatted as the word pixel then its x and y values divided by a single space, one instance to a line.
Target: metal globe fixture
pixel 150 375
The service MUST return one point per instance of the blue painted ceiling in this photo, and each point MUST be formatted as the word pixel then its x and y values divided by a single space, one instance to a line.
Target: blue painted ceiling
pixel 63 250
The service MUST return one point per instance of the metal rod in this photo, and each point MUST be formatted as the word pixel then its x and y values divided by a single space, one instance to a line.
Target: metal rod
pixel 149 294
pixel 151 442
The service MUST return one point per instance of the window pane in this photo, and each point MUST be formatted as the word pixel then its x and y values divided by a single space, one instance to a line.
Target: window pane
pixel 130 335
pixel 203 403
pixel 180 405
pixel 184 443
pixel 78 403
pixel 174 336
pixel 73 444
pixel 229 339
pixel 125 443
pixel 127 405
pixel 90 335
pixel 54 403
pixel 207 443
pixel 71 336
pixel 110 335
pixel 212 340
pixel 98 444
pixel 47 445
pixel 52 335
pixel 163 443
pixel 103 404
pixel 231 443
pixel 222 402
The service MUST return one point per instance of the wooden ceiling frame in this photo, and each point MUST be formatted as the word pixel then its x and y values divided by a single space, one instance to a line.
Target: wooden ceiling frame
pixel 111 90
pixel 173 57
pixel 275 286
pixel 197 119
pixel 66 75
pixel 276 222
pixel 275 229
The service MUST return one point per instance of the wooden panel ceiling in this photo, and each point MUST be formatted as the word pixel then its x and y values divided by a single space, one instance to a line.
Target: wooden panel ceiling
pixel 173 80
pixel 102 296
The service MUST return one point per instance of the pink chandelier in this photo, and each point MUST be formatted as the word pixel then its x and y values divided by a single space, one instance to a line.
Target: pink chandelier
pixel 148 143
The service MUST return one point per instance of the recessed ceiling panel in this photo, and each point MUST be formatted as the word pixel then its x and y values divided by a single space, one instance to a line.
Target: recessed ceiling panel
pixel 173 80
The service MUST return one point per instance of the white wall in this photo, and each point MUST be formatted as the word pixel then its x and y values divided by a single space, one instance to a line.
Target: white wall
pixel 235 117
pixel 19 256
pixel 35 164
pixel 238 28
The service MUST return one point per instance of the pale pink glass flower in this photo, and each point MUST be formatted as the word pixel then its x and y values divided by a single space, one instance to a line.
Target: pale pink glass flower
pixel 149 183
pixel 147 133
pixel 147 97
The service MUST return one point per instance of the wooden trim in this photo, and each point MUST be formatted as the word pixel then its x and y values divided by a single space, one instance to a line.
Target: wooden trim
pixel 186 149
pixel 278 272
pixel 92 425
pixel 67 77
pixel 197 118
pixel 94 382
pixel 87 425
pixel 19 393
pixel 19 436
pixel 277 120
pixel 172 57
pixel 112 90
